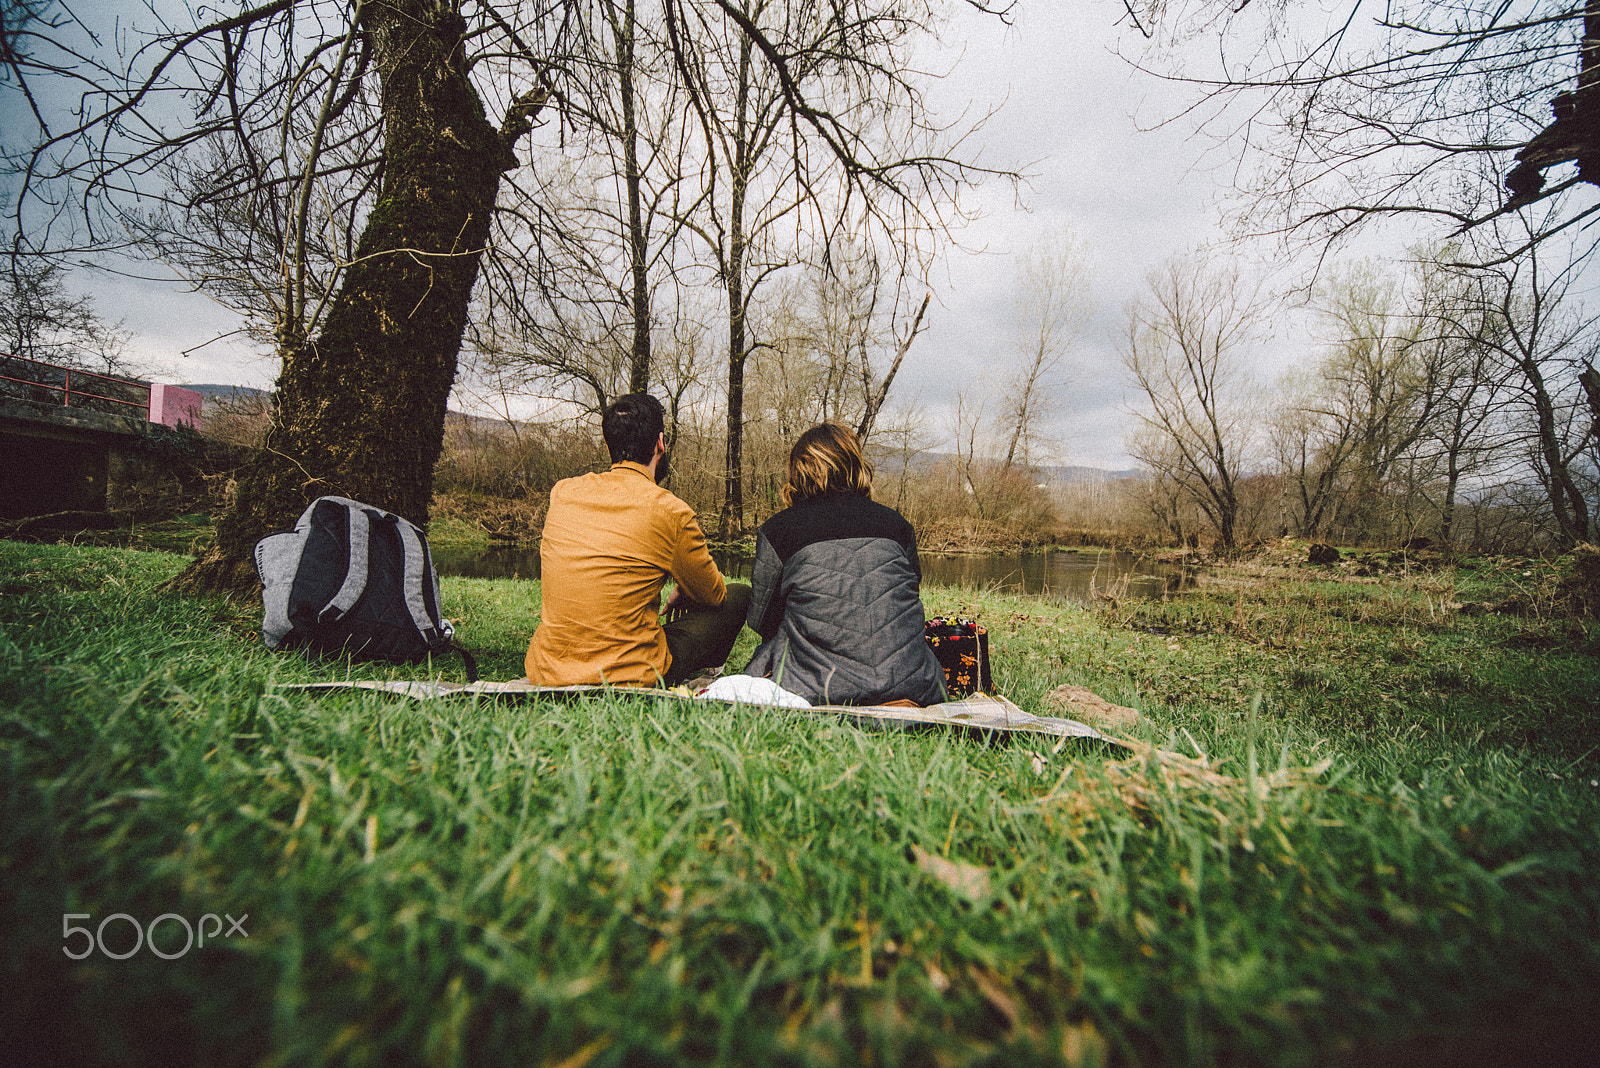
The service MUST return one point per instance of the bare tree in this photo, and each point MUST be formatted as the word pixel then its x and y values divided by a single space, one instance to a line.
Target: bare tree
pixel 1165 490
pixel 1480 115
pixel 1523 313
pixel 599 239
pixel 875 388
pixel 738 102
pixel 361 399
pixel 1466 440
pixel 587 242
pixel 839 321
pixel 1378 390
pixel 40 320
pixel 368 359
pixel 968 420
pixel 1590 379
pixel 1462 444
pixel 1463 377
pixel 778 161
pixel 622 19
pixel 1186 347
pixel 853 321
pixel 901 440
pixel 1411 108
pixel 1052 304
pixel 845 291
pixel 548 345
pixel 1401 404
pixel 1310 451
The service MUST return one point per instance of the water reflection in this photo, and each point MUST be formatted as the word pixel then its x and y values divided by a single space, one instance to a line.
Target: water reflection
pixel 1065 574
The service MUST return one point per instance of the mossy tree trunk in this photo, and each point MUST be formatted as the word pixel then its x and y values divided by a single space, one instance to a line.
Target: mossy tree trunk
pixel 359 409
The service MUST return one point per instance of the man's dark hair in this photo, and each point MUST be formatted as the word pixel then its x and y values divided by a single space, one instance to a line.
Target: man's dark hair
pixel 631 426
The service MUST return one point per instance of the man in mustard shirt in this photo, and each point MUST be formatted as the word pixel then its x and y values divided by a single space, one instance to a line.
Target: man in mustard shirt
pixel 610 541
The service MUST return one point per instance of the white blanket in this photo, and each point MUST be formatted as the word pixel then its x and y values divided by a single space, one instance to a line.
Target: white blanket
pixel 751 690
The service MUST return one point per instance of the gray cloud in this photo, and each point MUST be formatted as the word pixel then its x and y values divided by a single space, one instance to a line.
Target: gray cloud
pixel 1136 197
pixel 1063 113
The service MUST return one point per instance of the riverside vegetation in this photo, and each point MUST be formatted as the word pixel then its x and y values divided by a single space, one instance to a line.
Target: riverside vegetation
pixel 1359 827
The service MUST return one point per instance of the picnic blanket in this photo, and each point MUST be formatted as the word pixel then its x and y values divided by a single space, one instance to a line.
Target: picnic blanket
pixel 983 712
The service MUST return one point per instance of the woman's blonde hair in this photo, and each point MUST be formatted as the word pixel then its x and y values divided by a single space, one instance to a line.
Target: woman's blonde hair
pixel 826 459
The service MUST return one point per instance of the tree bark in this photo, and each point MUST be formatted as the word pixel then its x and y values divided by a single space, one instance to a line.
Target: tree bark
pixel 1567 503
pixel 732 519
pixel 637 239
pixel 359 410
pixel 1589 379
pixel 742 166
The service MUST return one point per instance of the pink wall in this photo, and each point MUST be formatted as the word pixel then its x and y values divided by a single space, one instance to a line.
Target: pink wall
pixel 174 405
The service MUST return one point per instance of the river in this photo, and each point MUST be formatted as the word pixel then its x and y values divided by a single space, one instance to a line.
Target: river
pixel 1066 574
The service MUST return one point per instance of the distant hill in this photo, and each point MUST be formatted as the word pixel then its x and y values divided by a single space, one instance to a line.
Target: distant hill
pixel 1070 475
pixel 213 389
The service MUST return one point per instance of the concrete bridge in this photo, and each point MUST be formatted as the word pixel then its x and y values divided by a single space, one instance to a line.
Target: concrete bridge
pixel 72 440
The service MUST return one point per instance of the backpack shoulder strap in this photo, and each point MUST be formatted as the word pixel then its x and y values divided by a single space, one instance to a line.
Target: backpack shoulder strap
pixel 470 660
pixel 418 570
pixel 420 577
pixel 355 576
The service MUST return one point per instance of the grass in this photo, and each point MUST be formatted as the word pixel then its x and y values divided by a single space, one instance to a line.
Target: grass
pixel 1362 830
pixel 183 534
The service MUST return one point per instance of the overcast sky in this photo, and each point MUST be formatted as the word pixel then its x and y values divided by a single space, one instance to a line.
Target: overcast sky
pixel 1067 110
pixel 1070 115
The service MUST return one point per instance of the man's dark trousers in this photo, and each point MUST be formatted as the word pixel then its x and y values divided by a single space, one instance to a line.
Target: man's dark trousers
pixel 700 638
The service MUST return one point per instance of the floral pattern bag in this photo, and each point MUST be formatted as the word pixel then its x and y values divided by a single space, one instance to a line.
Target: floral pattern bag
pixel 962 648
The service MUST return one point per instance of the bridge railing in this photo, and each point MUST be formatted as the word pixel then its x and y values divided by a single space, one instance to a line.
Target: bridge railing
pixel 34 380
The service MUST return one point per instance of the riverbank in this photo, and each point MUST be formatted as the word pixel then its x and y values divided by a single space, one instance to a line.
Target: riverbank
pixel 466 521
pixel 1367 838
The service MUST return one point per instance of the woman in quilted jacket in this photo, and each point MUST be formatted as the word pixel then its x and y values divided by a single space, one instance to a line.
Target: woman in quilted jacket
pixel 836 585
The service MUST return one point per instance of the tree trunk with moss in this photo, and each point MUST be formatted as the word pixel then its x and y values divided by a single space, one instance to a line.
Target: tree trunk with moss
pixel 359 409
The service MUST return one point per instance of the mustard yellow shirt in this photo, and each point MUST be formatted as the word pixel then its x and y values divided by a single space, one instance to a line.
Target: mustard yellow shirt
pixel 610 541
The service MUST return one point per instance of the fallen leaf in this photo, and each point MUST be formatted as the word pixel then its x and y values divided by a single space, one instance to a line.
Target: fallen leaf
pixel 989 986
pixel 968 880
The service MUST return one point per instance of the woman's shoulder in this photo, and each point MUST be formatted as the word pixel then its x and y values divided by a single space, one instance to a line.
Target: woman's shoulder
pixel 869 509
pixel 831 516
pixel 885 510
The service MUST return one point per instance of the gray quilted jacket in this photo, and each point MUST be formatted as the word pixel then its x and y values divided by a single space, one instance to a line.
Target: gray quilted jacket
pixel 837 606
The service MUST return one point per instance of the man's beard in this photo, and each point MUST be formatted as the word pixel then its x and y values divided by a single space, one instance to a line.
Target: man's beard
pixel 664 469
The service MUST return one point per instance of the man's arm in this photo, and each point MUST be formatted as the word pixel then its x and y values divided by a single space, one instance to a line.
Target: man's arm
pixel 692 567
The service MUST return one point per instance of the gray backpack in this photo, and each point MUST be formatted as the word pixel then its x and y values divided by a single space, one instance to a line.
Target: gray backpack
pixel 353 580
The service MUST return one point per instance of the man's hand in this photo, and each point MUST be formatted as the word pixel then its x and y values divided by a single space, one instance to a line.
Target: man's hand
pixel 677 604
